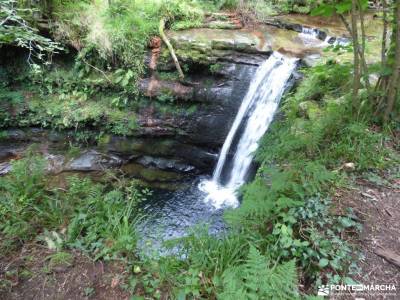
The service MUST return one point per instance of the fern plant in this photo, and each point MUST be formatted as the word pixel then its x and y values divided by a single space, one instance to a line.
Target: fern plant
pixel 257 278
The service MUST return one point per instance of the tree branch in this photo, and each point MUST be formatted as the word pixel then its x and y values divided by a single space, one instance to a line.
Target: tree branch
pixel 170 48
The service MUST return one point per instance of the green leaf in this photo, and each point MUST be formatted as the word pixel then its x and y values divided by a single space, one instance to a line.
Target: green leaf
pixel 325 10
pixel 343 7
pixel 323 262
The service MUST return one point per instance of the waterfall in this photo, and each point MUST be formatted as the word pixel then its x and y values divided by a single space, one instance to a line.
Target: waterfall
pixel 254 116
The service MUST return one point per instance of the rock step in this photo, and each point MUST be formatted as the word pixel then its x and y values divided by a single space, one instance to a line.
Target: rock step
pixel 223 21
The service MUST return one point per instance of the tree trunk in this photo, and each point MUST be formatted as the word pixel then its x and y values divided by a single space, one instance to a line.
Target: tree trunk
pixel 361 49
pixel 394 80
pixel 357 75
pixel 384 34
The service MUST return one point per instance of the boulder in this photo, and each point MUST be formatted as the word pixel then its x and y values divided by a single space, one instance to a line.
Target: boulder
pixel 165 164
pixel 93 161
pixel 5 168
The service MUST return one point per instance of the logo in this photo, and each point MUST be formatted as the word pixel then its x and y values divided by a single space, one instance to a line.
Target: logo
pixel 323 290
pixel 360 289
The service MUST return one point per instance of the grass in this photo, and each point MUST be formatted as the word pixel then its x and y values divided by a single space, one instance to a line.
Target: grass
pixel 60 259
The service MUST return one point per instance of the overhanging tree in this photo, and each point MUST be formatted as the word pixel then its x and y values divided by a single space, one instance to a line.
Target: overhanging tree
pixel 15 29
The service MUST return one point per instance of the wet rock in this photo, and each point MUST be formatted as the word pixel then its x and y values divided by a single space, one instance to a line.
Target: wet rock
pixel 152 87
pixel 93 161
pixel 289 24
pixel 165 164
pixel 6 154
pixel 284 25
pixel 57 136
pixel 331 40
pixel 135 148
pixel 321 34
pixel 55 163
pixel 311 60
pixel 342 41
pixel 15 135
pixel 5 168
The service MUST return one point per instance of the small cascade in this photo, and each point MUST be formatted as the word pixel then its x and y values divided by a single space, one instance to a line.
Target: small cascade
pixel 312 35
pixel 254 116
pixel 309 35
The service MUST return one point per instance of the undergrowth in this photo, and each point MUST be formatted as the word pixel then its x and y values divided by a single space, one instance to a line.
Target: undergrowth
pixel 84 215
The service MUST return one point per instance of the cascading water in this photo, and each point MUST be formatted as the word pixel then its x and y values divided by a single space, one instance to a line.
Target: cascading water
pixel 310 36
pixel 255 113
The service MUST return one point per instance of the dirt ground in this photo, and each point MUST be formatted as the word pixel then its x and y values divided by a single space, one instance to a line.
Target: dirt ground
pixel 377 204
pixel 29 275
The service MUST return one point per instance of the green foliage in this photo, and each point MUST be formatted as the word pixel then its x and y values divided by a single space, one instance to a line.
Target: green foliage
pixel 260 10
pixel 16 30
pixel 286 210
pixel 100 220
pixel 210 254
pixel 215 68
pixel 60 259
pixel 258 278
pixel 71 98
pixel 105 223
pixel 329 8
pixel 332 136
pixel 21 195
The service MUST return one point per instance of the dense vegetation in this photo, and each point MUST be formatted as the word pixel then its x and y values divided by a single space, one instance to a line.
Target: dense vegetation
pixel 287 233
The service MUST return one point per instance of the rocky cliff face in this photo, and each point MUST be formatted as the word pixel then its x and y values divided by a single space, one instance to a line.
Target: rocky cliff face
pixel 219 65
pixel 168 144
pixel 182 123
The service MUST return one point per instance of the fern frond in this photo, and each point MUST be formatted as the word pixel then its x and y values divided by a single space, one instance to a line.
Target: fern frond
pixel 255 279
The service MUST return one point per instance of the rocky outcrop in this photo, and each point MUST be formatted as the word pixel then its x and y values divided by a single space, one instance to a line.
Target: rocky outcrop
pixel 208 46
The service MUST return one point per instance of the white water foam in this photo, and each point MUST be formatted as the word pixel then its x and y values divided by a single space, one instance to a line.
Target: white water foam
pixel 255 113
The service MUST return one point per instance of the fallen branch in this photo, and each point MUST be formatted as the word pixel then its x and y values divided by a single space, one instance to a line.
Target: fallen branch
pixel 388 255
pixel 170 48
pixel 98 70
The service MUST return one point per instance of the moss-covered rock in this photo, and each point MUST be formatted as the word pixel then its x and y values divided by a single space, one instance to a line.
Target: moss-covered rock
pixel 309 110
pixel 205 45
